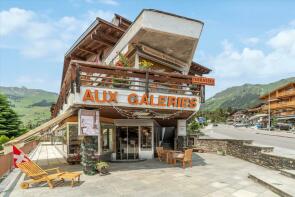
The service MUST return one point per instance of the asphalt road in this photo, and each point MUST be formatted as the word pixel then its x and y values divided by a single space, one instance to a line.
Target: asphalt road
pixel 281 144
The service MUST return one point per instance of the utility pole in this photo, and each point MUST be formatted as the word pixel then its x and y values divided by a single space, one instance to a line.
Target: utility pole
pixel 268 111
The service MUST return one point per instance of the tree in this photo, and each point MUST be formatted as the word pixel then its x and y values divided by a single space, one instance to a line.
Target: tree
pixel 9 121
pixel 3 140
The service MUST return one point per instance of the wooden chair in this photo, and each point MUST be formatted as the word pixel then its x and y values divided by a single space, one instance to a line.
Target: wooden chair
pixel 38 175
pixel 185 158
pixel 160 153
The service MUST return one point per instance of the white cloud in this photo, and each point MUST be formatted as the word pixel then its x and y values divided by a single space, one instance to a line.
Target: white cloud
pixel 275 60
pixel 108 2
pixel 13 19
pixel 251 41
pixel 106 15
pixel 38 37
pixel 284 41
pixel 42 48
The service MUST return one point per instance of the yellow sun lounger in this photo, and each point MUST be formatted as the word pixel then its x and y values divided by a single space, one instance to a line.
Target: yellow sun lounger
pixel 38 175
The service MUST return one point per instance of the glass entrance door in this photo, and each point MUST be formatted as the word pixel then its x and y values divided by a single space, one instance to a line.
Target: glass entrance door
pixel 127 143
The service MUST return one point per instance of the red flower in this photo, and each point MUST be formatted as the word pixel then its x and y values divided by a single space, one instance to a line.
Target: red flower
pixel 119 64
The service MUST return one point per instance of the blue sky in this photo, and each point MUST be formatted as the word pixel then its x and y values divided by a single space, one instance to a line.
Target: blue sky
pixel 243 41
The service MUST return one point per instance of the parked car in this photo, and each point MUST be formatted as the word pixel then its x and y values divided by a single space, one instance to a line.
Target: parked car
pixel 284 126
pixel 240 125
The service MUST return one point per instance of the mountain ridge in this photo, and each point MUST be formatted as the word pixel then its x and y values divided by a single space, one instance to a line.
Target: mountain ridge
pixel 243 96
pixel 32 105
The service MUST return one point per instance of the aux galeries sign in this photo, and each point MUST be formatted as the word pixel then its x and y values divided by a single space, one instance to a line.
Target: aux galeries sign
pixel 128 98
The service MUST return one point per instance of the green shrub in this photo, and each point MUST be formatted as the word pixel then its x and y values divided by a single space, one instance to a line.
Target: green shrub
pixel 3 140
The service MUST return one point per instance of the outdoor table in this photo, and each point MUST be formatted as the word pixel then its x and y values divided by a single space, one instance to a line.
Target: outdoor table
pixel 72 176
pixel 170 155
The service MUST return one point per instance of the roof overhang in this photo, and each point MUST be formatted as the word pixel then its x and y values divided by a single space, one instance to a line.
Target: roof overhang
pixel 51 124
pixel 171 34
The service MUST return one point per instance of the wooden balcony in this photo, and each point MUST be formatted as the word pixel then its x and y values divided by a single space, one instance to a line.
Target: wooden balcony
pixel 285 94
pixel 89 74
pixel 288 113
pixel 281 105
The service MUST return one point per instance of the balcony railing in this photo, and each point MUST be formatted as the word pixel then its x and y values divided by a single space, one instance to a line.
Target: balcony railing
pixel 83 73
pixel 287 113
pixel 286 93
pixel 281 105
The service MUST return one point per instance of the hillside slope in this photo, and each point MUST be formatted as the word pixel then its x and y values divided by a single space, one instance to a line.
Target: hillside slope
pixel 241 97
pixel 32 105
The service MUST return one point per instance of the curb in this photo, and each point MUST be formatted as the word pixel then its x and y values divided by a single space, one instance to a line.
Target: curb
pixel 269 186
pixel 275 135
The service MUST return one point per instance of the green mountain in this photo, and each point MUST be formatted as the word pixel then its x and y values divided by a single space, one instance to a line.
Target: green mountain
pixel 241 97
pixel 32 105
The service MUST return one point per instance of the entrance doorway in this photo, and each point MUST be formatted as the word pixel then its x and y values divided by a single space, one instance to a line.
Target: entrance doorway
pixel 127 143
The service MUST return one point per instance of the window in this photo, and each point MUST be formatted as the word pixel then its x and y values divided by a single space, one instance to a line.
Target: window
pixel 107 138
pixel 74 142
pixel 146 138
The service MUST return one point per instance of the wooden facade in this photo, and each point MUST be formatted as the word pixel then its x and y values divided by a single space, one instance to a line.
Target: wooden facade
pixel 281 100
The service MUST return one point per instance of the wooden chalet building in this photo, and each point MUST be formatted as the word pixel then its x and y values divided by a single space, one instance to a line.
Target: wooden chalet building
pixel 281 103
pixel 130 85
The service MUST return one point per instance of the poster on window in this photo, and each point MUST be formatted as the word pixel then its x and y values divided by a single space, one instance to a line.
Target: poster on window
pixel 89 122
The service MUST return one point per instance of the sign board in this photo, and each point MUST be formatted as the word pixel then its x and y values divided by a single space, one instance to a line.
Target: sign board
pixel 89 124
pixel 203 80
pixel 181 127
pixel 128 98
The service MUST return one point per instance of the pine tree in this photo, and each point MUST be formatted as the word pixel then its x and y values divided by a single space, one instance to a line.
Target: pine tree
pixel 9 121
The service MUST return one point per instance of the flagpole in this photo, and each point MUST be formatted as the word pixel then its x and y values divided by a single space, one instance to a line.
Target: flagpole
pixel 268 111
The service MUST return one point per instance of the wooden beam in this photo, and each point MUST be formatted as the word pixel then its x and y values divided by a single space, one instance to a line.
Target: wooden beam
pixel 87 50
pixel 156 53
pixel 76 57
pixel 78 83
pixel 108 38
pixel 103 42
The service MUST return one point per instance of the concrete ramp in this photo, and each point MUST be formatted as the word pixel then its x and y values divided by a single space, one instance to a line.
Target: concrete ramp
pixel 278 183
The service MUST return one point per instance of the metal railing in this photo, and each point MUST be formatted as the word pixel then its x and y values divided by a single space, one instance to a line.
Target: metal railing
pixel 81 73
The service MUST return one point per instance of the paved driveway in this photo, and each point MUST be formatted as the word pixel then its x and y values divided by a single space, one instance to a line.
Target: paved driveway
pixel 283 145
pixel 211 175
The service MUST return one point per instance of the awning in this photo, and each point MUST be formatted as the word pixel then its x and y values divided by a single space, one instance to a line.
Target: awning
pixel 45 126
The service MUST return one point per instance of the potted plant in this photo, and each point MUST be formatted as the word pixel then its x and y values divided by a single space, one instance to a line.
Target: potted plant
pixel 145 64
pixel 102 167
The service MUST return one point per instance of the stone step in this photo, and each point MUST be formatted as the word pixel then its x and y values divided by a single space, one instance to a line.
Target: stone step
pixel 288 173
pixel 276 182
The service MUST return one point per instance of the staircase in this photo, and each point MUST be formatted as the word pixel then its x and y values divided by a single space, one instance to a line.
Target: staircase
pixel 281 182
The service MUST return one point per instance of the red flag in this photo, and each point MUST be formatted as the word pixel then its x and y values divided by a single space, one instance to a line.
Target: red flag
pixel 19 156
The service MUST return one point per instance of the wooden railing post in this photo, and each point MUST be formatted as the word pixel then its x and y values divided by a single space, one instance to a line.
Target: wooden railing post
pixel 78 79
pixel 147 83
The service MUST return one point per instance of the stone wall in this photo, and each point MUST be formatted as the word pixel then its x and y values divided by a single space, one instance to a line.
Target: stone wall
pixel 243 149
pixel 211 145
